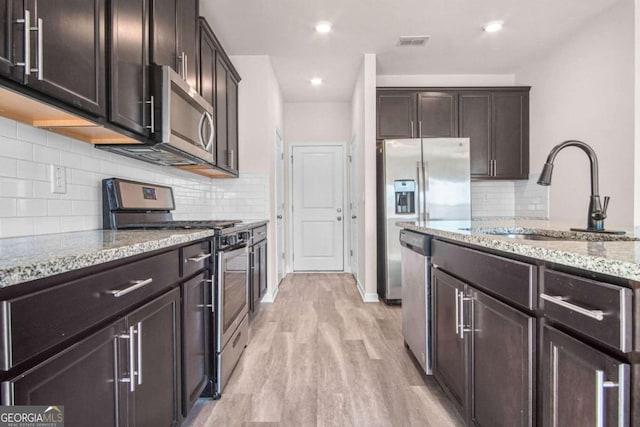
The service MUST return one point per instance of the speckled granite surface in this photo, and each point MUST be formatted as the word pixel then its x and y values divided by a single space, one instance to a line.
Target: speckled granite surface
pixel 606 254
pixel 24 259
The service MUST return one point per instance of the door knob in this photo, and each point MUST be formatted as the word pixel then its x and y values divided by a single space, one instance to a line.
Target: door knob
pixel 339 218
pixel 339 210
pixel 279 216
pixel 353 217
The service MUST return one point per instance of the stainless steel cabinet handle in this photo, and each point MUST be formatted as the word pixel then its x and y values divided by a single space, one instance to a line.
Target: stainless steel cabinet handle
pixel 136 285
pixel 601 384
pixel 411 128
pixel 130 380
pixel 152 119
pixel 198 258
pixel 40 57
pixel 457 312
pixel 139 371
pixel 561 301
pixel 27 42
pixel 185 65
pixel 231 158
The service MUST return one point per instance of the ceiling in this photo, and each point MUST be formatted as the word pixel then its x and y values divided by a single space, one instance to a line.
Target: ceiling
pixel 284 30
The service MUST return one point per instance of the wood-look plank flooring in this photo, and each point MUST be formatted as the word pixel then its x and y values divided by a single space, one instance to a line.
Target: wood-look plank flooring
pixel 319 356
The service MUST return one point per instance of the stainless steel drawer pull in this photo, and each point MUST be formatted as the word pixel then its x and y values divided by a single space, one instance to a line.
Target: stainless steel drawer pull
pixel 131 380
pixel 199 257
pixel 136 285
pixel 457 312
pixel 139 333
pixel 561 301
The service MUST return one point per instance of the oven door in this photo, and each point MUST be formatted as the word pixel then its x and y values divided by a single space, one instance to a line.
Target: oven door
pixel 233 286
pixel 184 118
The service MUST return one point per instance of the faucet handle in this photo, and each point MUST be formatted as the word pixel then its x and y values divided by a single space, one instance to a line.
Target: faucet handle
pixel 605 205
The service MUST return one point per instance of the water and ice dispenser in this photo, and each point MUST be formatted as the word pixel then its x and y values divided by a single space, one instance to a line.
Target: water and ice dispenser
pixel 405 195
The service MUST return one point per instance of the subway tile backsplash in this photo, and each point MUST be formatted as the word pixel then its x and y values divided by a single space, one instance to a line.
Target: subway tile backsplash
pixel 509 198
pixel 27 205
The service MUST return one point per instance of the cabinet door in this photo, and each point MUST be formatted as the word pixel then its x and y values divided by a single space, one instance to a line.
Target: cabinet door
pixel 188 30
pixel 510 122
pixel 83 378
pixel 437 114
pixel 475 124
pixel 221 113
pixel 448 346
pixel 164 33
pixel 232 122
pixel 129 65
pixel 396 114
pixel 6 34
pixel 196 312
pixel 70 56
pixel 207 85
pixel 156 327
pixel 501 380
pixel 580 385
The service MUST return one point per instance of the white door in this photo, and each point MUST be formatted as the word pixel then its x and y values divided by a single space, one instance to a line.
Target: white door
pixel 353 204
pixel 280 206
pixel 318 215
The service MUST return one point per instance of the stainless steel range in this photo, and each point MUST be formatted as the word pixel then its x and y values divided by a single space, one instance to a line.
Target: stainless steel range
pixel 138 205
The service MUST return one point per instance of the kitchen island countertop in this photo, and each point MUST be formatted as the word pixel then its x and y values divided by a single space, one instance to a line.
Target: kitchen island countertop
pixel 615 257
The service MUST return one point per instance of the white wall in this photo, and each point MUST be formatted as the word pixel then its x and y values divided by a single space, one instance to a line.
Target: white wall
pixel 636 180
pixel 363 121
pixel 444 80
pixel 317 122
pixel 260 115
pixel 583 90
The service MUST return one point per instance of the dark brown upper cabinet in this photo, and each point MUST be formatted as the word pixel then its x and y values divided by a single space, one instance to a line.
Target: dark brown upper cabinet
pixel 64 57
pixel 130 100
pixel 174 29
pixel 497 123
pixel 437 114
pixel 188 42
pixel 396 114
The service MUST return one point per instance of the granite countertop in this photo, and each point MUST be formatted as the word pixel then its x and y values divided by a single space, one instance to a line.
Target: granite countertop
pixel 619 258
pixel 23 259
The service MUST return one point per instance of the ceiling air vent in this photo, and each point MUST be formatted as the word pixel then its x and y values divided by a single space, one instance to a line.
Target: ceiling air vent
pixel 413 40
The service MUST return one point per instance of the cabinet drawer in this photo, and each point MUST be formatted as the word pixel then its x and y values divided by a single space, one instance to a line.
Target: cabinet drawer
pixel 599 310
pixel 510 279
pixel 37 322
pixel 195 258
pixel 259 233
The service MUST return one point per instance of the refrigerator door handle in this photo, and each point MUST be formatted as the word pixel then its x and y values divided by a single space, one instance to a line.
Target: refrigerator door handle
pixel 425 189
pixel 418 192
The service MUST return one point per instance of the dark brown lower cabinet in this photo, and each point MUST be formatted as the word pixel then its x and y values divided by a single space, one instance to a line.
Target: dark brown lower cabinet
pixel 581 386
pixel 501 363
pixel 449 367
pixel 483 354
pixel 125 374
pixel 196 312
pixel 84 379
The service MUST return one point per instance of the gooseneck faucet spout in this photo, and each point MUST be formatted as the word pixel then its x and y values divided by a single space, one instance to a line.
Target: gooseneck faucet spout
pixel 597 211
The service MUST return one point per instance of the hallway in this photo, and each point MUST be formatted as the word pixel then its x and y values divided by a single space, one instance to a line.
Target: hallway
pixel 320 356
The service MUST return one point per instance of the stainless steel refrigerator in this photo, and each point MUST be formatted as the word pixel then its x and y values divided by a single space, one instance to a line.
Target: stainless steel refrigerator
pixel 417 180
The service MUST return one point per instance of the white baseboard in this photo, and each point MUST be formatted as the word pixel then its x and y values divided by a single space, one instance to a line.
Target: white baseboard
pixel 271 296
pixel 365 296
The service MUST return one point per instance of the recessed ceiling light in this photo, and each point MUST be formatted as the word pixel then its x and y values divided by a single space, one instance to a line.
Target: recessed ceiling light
pixel 493 26
pixel 316 81
pixel 323 27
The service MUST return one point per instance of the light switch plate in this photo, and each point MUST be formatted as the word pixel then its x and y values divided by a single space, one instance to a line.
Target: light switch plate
pixel 58 179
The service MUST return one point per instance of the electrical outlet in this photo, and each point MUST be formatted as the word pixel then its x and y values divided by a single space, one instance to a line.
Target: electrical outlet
pixel 58 179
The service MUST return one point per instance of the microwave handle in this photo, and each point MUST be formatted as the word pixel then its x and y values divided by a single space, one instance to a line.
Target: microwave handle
pixel 205 116
pixel 212 130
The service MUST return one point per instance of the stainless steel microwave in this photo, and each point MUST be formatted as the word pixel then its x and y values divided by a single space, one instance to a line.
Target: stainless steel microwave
pixel 182 126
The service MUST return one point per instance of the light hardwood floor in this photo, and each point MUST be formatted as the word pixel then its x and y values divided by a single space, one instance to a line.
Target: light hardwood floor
pixel 319 356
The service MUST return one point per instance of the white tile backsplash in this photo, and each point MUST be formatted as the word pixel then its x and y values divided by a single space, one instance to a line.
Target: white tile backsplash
pixel 509 198
pixel 27 205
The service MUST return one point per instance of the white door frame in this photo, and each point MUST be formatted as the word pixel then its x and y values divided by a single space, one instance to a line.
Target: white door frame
pixel 345 202
pixel 278 152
